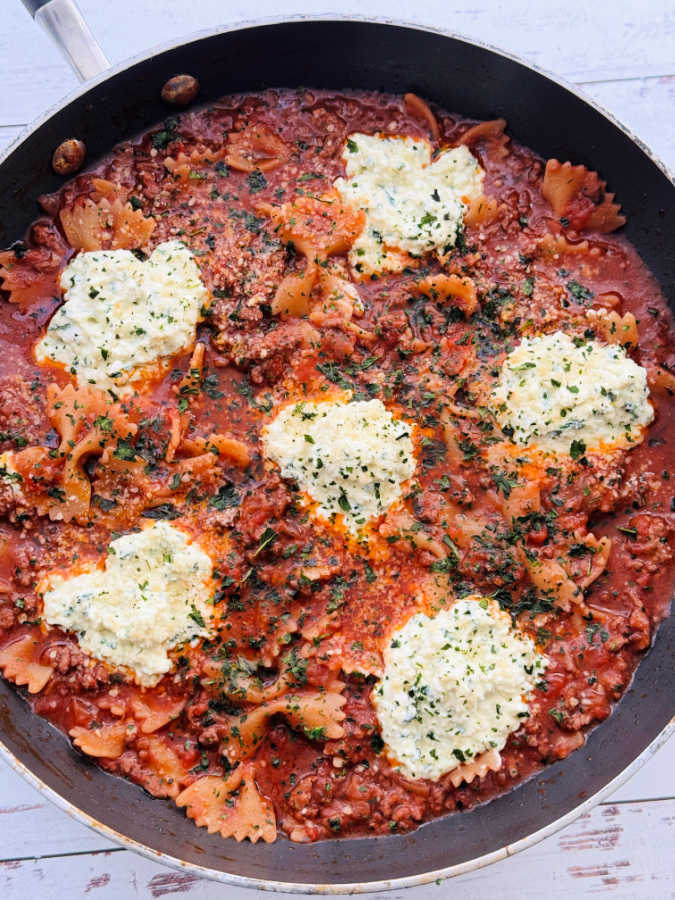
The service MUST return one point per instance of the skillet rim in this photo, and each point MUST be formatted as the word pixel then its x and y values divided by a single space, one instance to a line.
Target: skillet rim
pixel 299 18
pixel 406 881
pixel 288 887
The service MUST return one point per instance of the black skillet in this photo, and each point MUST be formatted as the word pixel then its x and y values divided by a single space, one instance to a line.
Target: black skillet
pixel 462 76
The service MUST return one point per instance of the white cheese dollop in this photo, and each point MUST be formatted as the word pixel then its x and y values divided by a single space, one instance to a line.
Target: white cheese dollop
pixel 121 313
pixel 411 204
pixel 351 458
pixel 553 390
pixel 454 686
pixel 150 596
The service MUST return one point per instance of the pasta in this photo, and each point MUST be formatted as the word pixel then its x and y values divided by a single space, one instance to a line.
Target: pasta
pixel 25 271
pixel 557 245
pixel 482 211
pixel 183 164
pixel 445 409
pixel 662 380
pixel 615 329
pixel 401 525
pixel 87 423
pixel 166 766
pixel 492 132
pixel 550 578
pixel 294 294
pixel 255 148
pixel 490 761
pixel 599 550
pixel 579 196
pixel 208 801
pixel 154 712
pixel 317 715
pixel 18 662
pixel 420 110
pixel 105 220
pixel 452 288
pixel 317 227
pixel 104 740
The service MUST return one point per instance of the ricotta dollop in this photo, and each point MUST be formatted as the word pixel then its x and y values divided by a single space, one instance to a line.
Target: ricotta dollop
pixel 351 458
pixel 553 391
pixel 454 686
pixel 411 204
pixel 122 313
pixel 150 596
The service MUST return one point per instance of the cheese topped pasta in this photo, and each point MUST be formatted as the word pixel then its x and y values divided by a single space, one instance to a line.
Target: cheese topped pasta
pixel 335 462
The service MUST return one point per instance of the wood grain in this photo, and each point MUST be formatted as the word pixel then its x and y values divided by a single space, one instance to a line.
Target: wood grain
pixel 621 54
pixel 580 41
pixel 610 852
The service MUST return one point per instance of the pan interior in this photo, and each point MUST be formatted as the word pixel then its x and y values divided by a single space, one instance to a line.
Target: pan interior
pixel 543 115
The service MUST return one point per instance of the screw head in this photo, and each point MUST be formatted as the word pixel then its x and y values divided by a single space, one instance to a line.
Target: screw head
pixel 180 90
pixel 69 156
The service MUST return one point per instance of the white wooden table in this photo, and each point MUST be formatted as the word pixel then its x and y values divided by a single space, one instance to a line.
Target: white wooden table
pixel 621 53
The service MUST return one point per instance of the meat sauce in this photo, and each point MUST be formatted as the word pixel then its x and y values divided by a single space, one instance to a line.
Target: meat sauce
pixel 298 599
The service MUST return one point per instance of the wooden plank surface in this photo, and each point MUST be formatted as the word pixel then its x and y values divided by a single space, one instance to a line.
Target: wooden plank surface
pixel 582 42
pixel 611 852
pixel 620 53
pixel 31 825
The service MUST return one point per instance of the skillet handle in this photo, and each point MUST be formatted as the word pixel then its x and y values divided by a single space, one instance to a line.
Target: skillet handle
pixel 63 22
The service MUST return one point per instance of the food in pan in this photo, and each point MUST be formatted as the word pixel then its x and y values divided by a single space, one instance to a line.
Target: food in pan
pixel 336 459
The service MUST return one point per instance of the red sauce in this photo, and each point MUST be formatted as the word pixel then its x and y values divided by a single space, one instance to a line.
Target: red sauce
pixel 326 629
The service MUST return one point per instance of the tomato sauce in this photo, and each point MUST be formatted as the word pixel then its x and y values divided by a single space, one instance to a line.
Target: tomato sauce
pixel 299 601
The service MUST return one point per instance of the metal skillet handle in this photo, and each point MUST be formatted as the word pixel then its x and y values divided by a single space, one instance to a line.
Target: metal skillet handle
pixel 63 22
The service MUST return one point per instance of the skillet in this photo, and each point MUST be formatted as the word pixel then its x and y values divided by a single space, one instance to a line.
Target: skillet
pixel 461 76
